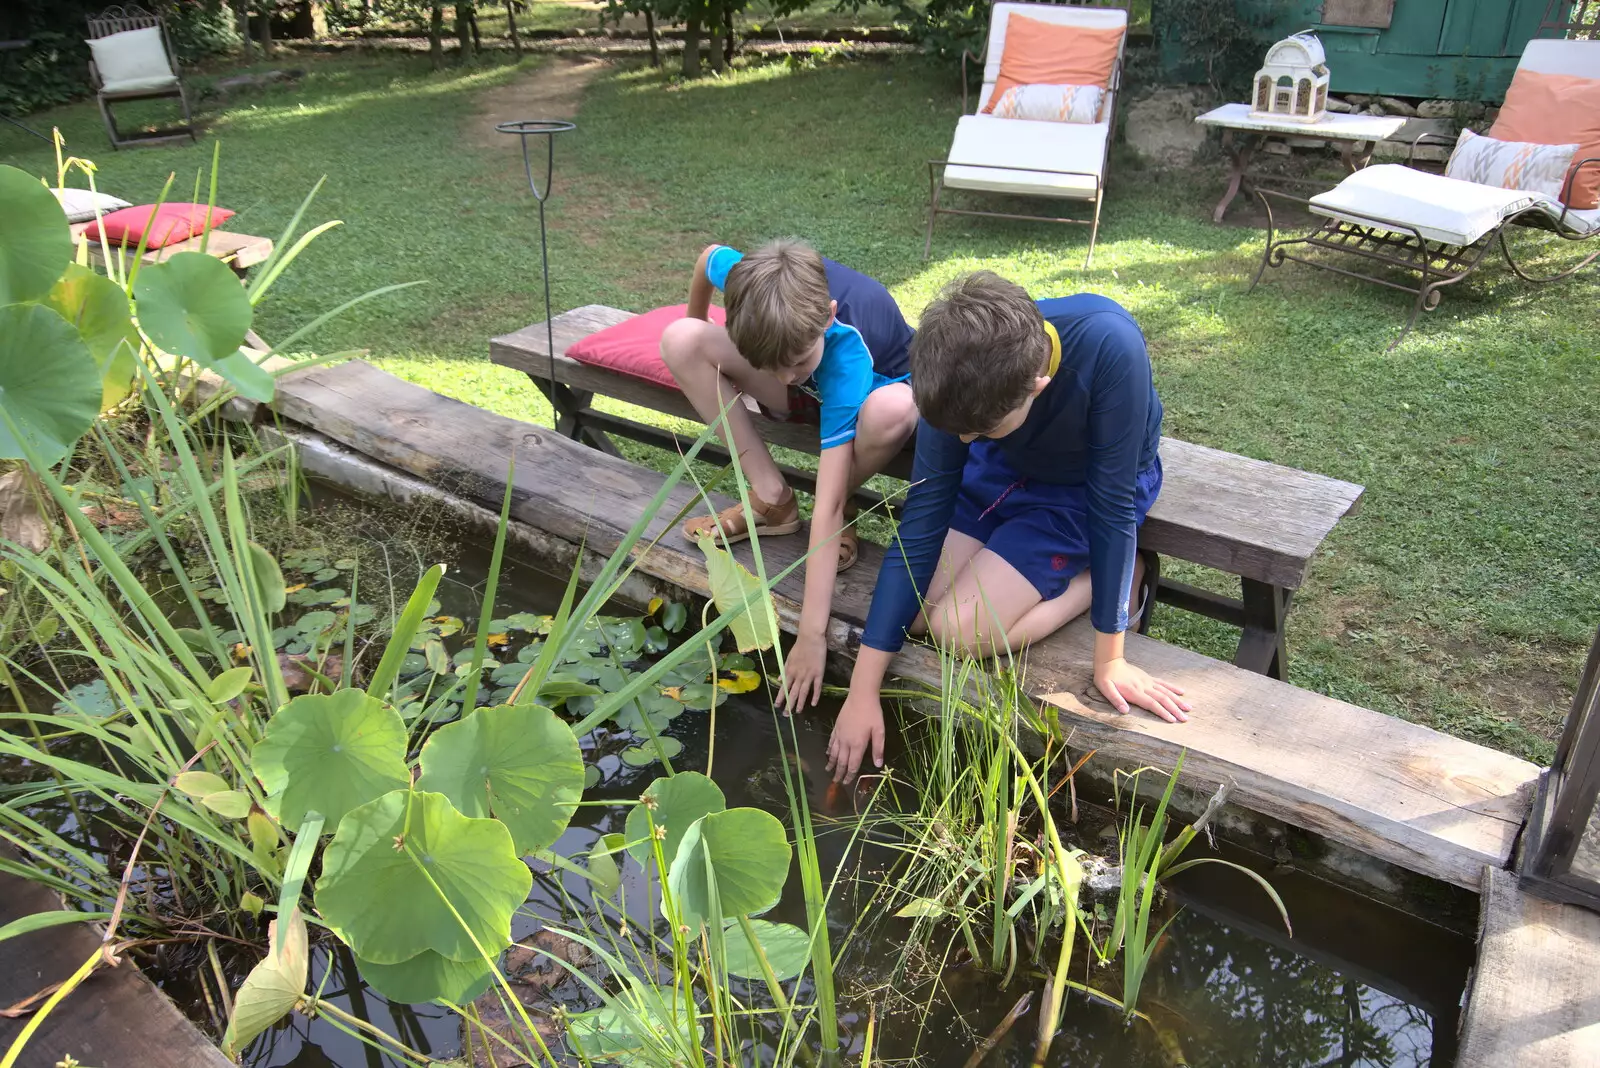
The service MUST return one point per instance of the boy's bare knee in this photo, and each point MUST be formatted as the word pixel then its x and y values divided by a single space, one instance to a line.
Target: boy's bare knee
pixel 682 342
pixel 889 414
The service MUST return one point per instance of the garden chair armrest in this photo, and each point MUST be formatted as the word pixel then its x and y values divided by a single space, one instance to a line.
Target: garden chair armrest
pixel 1572 176
pixel 966 53
pixel 1426 138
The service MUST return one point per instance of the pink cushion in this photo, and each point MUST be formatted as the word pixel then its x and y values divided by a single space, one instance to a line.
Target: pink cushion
pixel 160 225
pixel 634 347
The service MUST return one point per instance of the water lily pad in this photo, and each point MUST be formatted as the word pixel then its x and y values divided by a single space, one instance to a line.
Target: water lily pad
pixel 98 309
pixel 603 864
pixel 91 699
pixel 193 306
pixel 529 653
pixel 447 625
pixel 591 776
pixel 509 674
pixel 678 802
pixel 674 616
pixel 331 753
pixel 625 637
pixel 658 709
pixel 656 641
pixel 642 756
pixel 428 977
pixel 740 681
pixel 49 384
pixel 787 949
pixel 608 1033
pixel 519 764
pixel 434 870
pixel 318 622
pixel 35 243
pixel 749 853
pixel 527 621
pixel 698 696
pixel 737 662
pixel 327 574
pixel 274 986
pixel 438 659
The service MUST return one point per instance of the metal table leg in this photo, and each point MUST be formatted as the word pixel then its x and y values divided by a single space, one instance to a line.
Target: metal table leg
pixel 1263 647
pixel 1241 149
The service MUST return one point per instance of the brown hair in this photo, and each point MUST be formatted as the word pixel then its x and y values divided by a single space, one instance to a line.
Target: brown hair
pixel 980 345
pixel 778 303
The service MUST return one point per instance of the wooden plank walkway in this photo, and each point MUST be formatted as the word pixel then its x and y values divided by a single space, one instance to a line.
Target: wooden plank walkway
pixel 1535 995
pixel 1425 801
pixel 116 1019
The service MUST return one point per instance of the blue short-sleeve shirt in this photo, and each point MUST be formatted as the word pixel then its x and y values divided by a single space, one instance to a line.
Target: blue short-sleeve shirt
pixel 863 348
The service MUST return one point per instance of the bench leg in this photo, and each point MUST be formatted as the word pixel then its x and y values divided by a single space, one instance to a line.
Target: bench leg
pixel 1263 647
pixel 569 406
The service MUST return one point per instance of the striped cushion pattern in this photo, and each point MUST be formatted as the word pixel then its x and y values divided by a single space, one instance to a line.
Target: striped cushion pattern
pixel 1050 103
pixel 1510 164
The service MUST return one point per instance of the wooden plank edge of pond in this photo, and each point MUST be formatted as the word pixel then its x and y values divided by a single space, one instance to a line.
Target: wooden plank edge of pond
pixel 1533 1001
pixel 1425 801
pixel 118 1018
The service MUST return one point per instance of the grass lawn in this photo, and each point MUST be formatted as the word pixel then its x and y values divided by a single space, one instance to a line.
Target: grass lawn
pixel 1462 595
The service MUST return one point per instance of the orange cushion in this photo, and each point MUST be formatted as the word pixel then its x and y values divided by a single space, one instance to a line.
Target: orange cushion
pixel 1048 53
pixel 1556 109
pixel 159 225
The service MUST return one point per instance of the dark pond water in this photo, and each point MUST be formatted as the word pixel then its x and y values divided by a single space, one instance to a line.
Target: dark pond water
pixel 1360 984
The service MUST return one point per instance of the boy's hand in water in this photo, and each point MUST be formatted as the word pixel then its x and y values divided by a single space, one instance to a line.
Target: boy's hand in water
pixel 802 670
pixel 858 729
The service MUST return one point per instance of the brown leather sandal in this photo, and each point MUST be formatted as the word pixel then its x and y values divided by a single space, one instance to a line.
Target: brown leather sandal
pixel 849 540
pixel 782 517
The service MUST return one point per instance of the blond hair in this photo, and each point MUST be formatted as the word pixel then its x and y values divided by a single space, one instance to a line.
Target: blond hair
pixel 777 302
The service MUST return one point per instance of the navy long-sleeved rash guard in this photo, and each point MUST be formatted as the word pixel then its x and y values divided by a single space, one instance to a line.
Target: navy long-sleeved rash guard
pixel 1097 424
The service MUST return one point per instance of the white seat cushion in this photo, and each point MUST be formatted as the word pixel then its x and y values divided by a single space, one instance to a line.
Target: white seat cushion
pixel 1074 152
pixel 132 61
pixel 1439 208
pixel 81 205
pixel 1584 222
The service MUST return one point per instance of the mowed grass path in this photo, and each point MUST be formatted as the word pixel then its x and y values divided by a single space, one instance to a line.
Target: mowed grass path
pixel 1463 593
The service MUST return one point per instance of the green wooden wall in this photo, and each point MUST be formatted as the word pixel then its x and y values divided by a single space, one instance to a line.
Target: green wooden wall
pixel 1454 49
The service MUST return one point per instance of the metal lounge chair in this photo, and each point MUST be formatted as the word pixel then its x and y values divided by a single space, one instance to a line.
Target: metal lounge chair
pixel 1388 223
pixel 134 60
pixel 1061 160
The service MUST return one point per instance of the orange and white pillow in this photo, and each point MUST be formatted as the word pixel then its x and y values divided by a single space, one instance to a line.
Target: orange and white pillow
pixel 1051 103
pixel 1557 109
pixel 1037 52
pixel 1511 164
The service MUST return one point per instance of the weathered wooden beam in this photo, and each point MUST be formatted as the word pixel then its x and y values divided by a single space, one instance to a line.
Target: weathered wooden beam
pixel 1428 802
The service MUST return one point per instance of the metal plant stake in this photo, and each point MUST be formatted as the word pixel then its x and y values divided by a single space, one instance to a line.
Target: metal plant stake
pixel 546 129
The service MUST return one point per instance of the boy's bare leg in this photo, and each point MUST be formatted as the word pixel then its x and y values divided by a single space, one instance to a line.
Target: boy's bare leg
pixel 710 372
pixel 958 551
pixel 883 426
pixel 1034 623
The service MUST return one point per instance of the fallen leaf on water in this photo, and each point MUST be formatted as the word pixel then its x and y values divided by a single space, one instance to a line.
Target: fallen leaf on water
pixel 742 682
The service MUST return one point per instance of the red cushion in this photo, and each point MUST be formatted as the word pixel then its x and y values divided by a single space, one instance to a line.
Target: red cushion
pixel 160 226
pixel 634 347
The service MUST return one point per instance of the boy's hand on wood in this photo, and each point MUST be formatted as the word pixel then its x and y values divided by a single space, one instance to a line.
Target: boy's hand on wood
pixel 802 671
pixel 858 729
pixel 1122 684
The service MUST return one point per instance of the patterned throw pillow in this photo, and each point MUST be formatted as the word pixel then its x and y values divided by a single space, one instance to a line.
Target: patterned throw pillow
pixel 1510 164
pixel 1051 103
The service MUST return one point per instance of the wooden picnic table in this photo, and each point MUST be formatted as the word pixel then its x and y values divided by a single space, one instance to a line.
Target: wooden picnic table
pixel 239 251
pixel 1243 135
pixel 1259 521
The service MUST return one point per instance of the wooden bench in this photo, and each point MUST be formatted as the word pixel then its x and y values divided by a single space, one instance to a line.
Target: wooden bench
pixel 239 251
pixel 1426 801
pixel 1259 521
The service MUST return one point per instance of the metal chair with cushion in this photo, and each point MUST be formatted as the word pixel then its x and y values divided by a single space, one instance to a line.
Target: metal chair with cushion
pixel 133 59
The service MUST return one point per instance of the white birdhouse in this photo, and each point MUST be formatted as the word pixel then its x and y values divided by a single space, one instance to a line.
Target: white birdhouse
pixel 1293 85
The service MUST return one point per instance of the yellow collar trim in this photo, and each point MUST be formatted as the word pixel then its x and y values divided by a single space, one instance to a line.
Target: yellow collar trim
pixel 1055 349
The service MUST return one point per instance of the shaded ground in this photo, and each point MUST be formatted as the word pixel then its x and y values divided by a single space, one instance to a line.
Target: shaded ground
pixel 1462 595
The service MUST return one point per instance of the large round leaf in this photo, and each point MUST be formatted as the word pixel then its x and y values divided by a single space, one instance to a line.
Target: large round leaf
pixel 330 753
pixel 519 764
pixel 49 385
pixel 786 946
pixel 428 977
pixel 747 851
pixel 274 986
pixel 402 852
pixel 193 306
pixel 98 309
pixel 677 802
pixel 35 244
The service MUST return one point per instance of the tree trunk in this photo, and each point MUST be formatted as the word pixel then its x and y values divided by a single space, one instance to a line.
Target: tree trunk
pixel 436 36
pixel 241 20
pixel 650 28
pixel 714 40
pixel 266 27
pixel 463 31
pixel 366 12
pixel 727 35
pixel 472 20
pixel 691 46
pixel 511 24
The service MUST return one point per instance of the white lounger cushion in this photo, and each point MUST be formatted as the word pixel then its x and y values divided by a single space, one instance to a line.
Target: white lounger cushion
pixel 1439 208
pixel 1048 146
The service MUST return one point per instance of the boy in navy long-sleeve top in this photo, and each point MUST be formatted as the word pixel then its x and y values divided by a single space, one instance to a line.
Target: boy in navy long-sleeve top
pixel 1036 463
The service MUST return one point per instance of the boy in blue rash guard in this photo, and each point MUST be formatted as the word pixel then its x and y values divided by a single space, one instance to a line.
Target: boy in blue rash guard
pixel 805 336
pixel 1036 462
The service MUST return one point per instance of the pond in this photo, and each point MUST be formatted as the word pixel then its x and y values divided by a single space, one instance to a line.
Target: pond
pixel 1362 984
